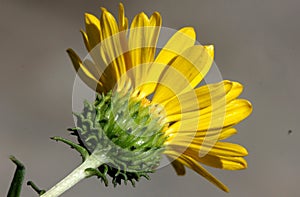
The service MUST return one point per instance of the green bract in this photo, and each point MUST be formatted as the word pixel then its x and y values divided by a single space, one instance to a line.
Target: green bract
pixel 127 130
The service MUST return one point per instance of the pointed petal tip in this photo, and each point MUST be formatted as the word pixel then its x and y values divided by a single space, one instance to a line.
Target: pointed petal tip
pixel 69 50
pixel 210 49
pixel 155 19
pixel 237 84
pixel 239 164
pixel 89 17
pixel 249 106
pixel 73 54
pixel 187 28
pixel 243 108
pixel 245 152
pixel 240 150
pixel 121 6
pixel 142 14
pixel 157 14
pixel 226 189
pixel 103 9
pixel 75 59
pixel 245 165
pixel 189 31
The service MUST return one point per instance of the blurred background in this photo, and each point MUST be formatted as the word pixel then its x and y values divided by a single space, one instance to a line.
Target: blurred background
pixel 256 43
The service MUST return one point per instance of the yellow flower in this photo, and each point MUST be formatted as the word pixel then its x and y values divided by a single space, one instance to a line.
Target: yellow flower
pixel 196 118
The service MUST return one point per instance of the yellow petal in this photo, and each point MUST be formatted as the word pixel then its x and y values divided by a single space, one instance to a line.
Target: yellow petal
pixel 222 162
pixel 123 28
pixel 210 50
pixel 226 133
pixel 226 163
pixel 203 96
pixel 194 165
pixel 190 136
pixel 143 37
pixel 112 46
pixel 219 148
pixel 180 41
pixel 93 30
pixel 235 91
pixel 142 44
pixel 179 167
pixel 123 21
pixel 108 24
pixel 85 40
pixel 84 73
pixel 226 149
pixel 192 65
pixel 210 118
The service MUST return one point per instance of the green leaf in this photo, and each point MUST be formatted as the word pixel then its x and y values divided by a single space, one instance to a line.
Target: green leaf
pixel 16 184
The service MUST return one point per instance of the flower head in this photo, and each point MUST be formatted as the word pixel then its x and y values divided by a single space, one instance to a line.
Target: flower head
pixel 151 103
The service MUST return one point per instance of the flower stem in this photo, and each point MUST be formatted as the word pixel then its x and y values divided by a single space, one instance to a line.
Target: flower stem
pixel 93 161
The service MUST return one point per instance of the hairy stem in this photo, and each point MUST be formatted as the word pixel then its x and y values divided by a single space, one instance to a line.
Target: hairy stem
pixel 75 176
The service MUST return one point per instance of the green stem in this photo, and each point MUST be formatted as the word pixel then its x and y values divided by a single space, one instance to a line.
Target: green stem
pixel 80 173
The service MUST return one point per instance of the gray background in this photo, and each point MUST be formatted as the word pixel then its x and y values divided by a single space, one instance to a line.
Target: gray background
pixel 256 41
